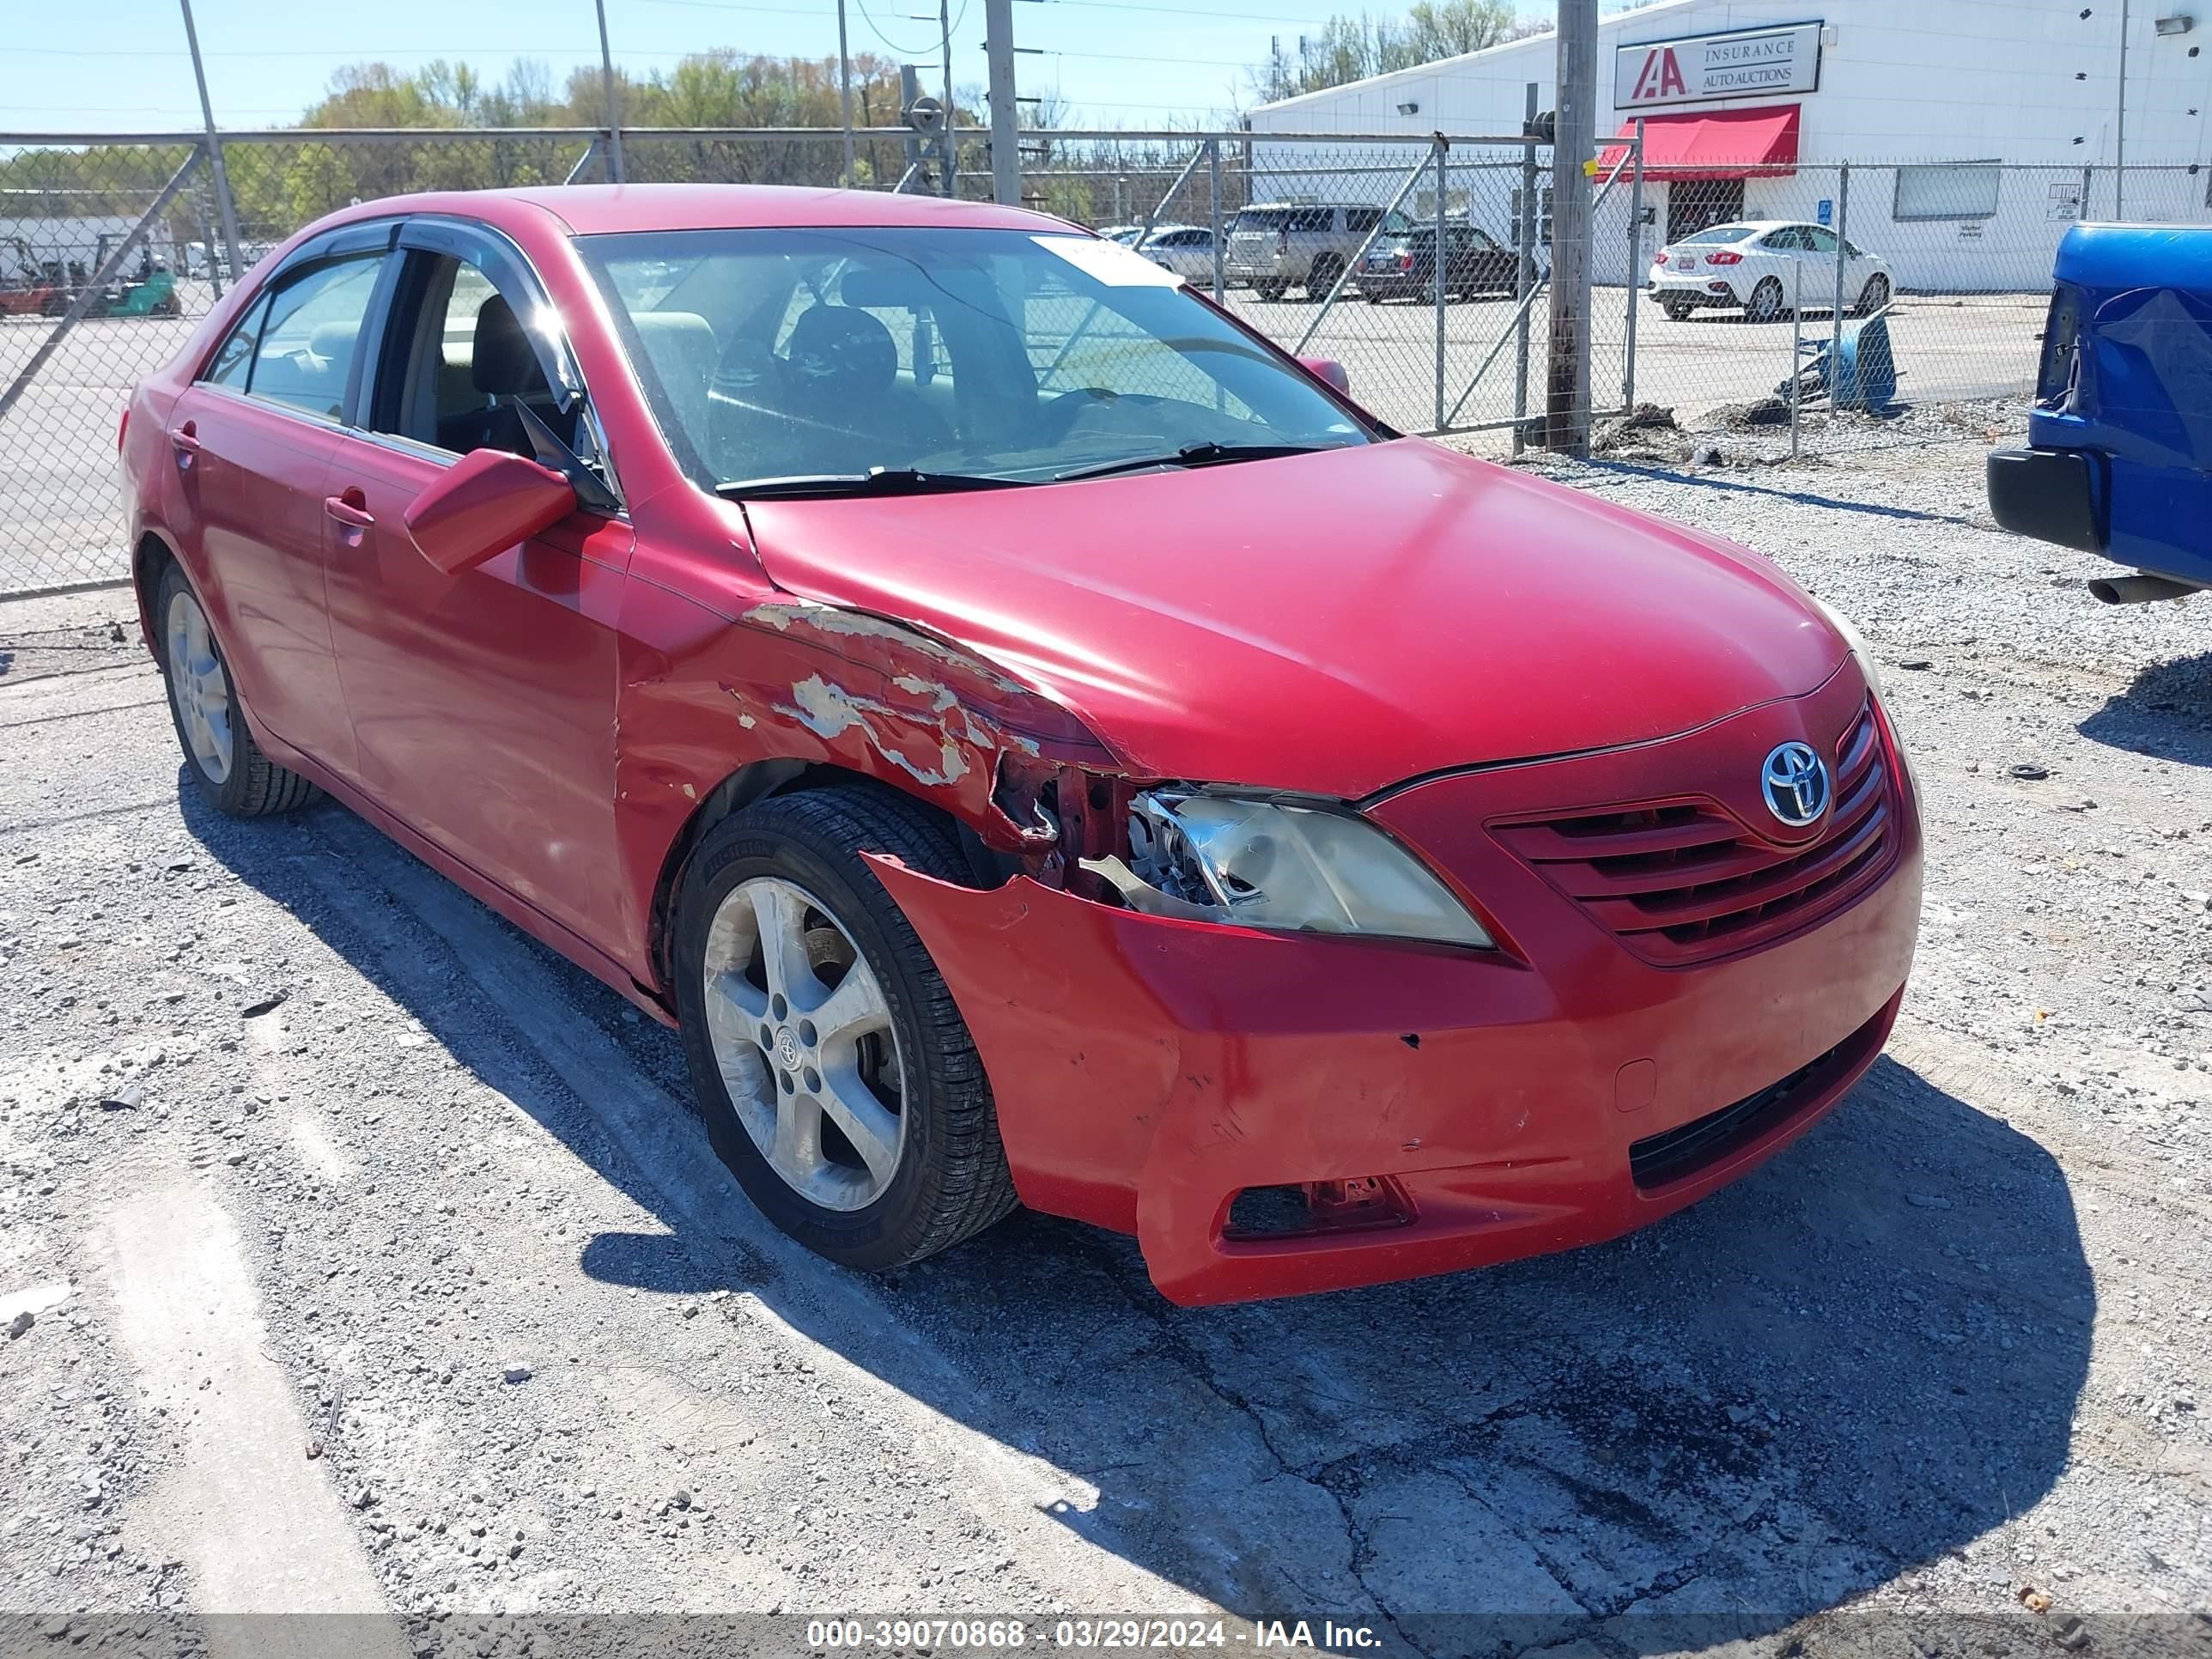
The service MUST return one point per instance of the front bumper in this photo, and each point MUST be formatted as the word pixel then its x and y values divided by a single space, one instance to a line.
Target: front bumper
pixel 1450 1109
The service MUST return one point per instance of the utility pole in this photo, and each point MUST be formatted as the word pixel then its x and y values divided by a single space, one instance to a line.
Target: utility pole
pixel 615 168
pixel 2120 126
pixel 229 208
pixel 952 144
pixel 1005 133
pixel 1574 140
pixel 845 92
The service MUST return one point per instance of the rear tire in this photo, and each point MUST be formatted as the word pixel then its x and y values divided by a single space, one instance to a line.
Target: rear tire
pixel 219 751
pixel 1873 297
pixel 1321 275
pixel 1765 305
pixel 1676 310
pixel 1271 292
pixel 921 1168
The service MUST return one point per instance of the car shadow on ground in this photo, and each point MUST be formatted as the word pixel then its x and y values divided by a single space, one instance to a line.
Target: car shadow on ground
pixel 2167 714
pixel 1861 1359
pixel 1803 497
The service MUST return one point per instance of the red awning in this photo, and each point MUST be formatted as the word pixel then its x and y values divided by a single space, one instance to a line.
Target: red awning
pixel 1721 144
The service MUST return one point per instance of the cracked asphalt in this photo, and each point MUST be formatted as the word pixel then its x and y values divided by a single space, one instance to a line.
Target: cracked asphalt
pixel 376 1269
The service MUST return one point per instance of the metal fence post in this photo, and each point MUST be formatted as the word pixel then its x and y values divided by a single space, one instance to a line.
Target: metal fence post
pixel 1213 213
pixel 1524 243
pixel 1797 354
pixel 1443 259
pixel 226 205
pixel 1836 317
pixel 1634 281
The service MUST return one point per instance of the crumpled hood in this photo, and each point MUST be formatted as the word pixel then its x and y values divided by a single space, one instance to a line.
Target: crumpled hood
pixel 1329 624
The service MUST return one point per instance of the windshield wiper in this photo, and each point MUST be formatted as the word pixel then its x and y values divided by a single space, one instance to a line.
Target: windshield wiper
pixel 876 481
pixel 1203 455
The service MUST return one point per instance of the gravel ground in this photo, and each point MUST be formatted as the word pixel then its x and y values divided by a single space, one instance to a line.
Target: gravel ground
pixel 373 1266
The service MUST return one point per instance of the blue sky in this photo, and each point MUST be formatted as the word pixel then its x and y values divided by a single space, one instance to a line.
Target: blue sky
pixel 121 64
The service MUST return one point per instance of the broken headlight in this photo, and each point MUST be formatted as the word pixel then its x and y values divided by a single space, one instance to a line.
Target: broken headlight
pixel 1282 865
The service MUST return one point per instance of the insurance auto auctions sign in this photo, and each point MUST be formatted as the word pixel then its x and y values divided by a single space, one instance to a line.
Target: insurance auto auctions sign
pixel 1742 63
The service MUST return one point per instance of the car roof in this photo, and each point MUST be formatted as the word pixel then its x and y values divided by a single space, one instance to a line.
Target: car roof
pixel 598 209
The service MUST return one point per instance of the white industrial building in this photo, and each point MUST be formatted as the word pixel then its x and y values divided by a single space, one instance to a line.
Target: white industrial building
pixel 1974 131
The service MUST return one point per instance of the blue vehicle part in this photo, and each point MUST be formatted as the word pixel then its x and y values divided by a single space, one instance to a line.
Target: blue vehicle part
pixel 1864 374
pixel 2120 460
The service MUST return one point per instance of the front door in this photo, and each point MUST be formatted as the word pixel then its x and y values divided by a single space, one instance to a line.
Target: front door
pixel 1694 204
pixel 252 439
pixel 482 704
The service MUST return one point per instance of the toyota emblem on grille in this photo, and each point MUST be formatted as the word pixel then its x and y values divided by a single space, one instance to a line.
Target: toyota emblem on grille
pixel 1795 784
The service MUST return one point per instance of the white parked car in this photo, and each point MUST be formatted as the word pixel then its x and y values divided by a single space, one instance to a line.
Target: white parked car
pixel 1187 250
pixel 1760 265
pixel 1125 234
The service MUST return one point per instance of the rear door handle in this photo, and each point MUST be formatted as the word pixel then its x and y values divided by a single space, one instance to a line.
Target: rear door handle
pixel 186 442
pixel 348 509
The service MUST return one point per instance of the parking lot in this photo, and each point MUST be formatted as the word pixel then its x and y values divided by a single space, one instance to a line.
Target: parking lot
pixel 357 1229
pixel 61 522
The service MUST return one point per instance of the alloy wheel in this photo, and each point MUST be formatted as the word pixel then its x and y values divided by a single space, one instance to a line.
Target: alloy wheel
pixel 200 686
pixel 803 1039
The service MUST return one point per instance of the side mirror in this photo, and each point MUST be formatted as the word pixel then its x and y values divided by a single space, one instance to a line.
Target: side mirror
pixel 1328 369
pixel 486 502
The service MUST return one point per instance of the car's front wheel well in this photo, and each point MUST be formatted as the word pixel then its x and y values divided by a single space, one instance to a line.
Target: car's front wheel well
pixel 755 782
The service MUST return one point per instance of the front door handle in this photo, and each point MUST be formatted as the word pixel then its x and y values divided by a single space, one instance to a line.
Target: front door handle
pixel 350 509
pixel 185 441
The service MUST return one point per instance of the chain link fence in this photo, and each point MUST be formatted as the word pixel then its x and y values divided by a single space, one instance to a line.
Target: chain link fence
pixel 1420 264
pixel 1890 304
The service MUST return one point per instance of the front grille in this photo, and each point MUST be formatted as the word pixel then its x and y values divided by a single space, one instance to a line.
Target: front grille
pixel 1684 882
pixel 1658 1160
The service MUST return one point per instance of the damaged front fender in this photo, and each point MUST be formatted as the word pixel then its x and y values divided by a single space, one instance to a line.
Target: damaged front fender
pixel 800 684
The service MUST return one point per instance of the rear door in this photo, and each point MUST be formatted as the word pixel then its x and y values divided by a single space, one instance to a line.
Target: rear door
pixel 484 703
pixel 1788 257
pixel 251 439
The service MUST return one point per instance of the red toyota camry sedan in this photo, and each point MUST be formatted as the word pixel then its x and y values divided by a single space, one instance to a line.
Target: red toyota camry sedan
pixel 1036 742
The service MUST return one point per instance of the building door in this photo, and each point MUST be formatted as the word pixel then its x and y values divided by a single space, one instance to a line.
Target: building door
pixel 1694 203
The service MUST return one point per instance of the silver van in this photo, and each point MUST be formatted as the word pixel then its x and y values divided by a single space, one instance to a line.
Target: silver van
pixel 1281 246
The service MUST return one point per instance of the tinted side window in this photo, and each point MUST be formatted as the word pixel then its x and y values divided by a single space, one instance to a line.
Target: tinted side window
pixel 1783 240
pixel 1359 221
pixel 1824 241
pixel 306 352
pixel 236 355
pixel 1313 219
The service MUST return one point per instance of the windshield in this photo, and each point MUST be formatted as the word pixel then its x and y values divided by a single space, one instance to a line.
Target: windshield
pixel 776 354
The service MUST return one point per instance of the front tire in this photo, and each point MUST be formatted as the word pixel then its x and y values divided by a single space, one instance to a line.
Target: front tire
pixel 836 1079
pixel 220 752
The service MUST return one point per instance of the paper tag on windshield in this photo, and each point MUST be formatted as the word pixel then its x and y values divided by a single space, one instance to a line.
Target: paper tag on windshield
pixel 1109 262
